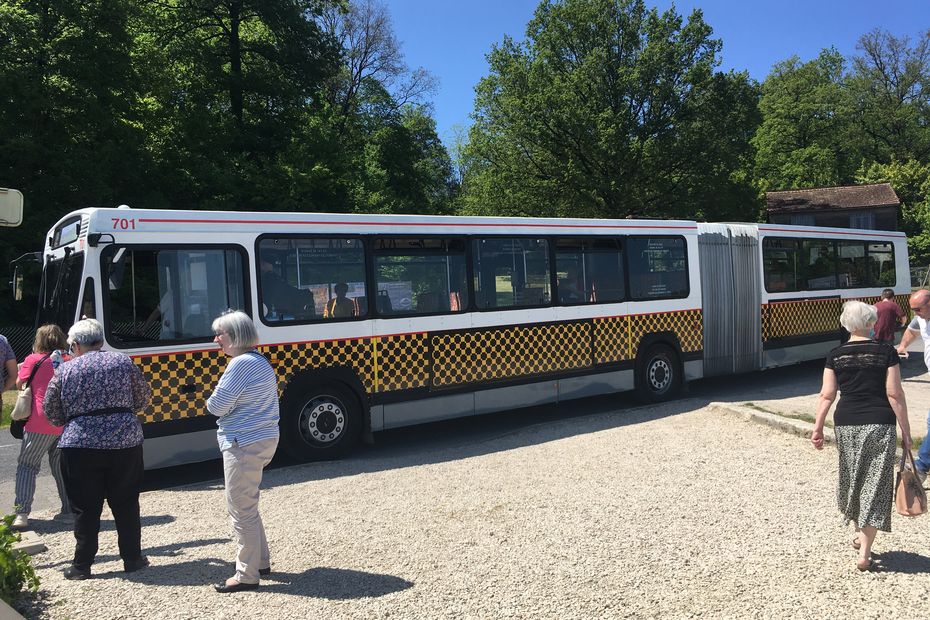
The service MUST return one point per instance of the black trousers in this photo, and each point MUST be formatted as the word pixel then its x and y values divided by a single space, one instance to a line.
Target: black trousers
pixel 92 476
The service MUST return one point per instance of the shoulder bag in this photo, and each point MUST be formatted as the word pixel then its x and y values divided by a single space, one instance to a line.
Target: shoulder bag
pixel 910 499
pixel 23 407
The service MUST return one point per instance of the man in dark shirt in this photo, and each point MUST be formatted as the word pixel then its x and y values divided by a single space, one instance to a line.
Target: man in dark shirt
pixel 890 316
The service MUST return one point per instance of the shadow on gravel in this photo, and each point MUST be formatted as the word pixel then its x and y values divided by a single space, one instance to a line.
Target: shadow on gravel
pixel 337 584
pixel 478 435
pixel 33 605
pixel 50 526
pixel 167 551
pixel 902 562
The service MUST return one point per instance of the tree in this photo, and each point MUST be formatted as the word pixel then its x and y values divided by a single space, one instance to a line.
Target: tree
pixel 610 110
pixel 890 87
pixel 70 128
pixel 234 92
pixel 807 119
pixel 911 182
pixel 371 53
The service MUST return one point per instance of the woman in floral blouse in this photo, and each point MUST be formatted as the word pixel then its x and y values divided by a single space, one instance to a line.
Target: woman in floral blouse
pixel 95 397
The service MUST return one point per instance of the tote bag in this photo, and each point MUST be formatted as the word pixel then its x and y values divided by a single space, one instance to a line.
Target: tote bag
pixel 23 407
pixel 910 499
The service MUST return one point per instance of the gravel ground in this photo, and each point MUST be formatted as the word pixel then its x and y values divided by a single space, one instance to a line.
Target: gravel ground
pixel 673 511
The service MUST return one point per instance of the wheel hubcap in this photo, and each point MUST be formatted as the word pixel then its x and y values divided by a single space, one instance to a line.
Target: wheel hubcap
pixel 660 375
pixel 322 420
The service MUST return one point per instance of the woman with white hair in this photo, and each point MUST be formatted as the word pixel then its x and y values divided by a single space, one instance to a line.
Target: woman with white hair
pixel 869 376
pixel 246 403
pixel 95 397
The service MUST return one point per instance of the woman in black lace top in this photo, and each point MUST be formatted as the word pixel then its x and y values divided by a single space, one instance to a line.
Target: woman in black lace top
pixel 868 375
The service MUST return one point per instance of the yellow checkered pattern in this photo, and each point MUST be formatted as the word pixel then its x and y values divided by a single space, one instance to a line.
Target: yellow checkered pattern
pixel 810 317
pixel 405 362
pixel 612 339
pixel 168 373
pixel 688 325
pixel 800 318
pixel 487 355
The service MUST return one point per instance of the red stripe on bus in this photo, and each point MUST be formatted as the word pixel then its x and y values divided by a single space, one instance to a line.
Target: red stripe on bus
pixel 425 224
pixel 805 301
pixel 798 230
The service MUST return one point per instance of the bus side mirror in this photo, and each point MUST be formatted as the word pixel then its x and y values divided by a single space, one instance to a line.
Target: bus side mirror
pixel 17 284
pixel 11 207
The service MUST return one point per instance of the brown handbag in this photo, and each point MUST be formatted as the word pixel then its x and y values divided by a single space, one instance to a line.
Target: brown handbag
pixel 910 499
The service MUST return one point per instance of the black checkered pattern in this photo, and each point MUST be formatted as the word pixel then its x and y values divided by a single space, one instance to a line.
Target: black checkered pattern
pixel 355 353
pixel 403 362
pixel 487 355
pixel 168 373
pixel 800 318
pixel 688 325
pixel 611 339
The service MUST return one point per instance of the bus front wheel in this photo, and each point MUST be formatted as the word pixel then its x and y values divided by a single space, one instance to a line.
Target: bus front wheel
pixel 320 422
pixel 658 374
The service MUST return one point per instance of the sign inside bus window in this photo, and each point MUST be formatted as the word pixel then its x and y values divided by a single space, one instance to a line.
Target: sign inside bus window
pixel 123 223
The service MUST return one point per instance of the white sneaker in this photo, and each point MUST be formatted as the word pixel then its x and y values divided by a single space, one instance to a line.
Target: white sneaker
pixel 21 522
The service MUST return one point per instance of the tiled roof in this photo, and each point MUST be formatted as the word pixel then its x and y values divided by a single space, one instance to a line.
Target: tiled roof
pixel 832 198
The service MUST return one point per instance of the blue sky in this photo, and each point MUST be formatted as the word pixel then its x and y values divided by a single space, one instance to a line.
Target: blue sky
pixel 451 39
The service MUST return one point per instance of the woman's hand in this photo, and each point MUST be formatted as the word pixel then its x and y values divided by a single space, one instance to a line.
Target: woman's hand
pixel 817 438
pixel 906 441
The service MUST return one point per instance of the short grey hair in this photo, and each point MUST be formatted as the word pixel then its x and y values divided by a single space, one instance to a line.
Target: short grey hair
pixel 857 316
pixel 87 332
pixel 239 327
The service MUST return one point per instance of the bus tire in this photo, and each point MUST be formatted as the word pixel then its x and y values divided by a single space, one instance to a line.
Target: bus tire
pixel 320 421
pixel 658 374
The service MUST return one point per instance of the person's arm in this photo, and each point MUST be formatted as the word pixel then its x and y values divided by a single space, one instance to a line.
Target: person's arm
pixel 224 397
pixel 51 406
pixel 25 369
pixel 9 380
pixel 141 390
pixel 906 339
pixel 898 403
pixel 827 396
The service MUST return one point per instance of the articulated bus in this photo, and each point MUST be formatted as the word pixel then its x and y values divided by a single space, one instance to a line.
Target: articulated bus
pixel 375 322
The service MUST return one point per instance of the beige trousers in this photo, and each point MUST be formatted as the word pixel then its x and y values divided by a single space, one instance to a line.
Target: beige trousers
pixel 242 467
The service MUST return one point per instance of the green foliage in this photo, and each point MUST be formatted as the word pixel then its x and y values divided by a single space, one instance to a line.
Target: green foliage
pixel 16 570
pixel 610 110
pixel 807 119
pixel 890 86
pixel 203 104
pixel 911 182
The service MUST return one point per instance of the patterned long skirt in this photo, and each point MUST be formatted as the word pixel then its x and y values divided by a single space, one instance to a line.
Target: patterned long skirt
pixel 867 460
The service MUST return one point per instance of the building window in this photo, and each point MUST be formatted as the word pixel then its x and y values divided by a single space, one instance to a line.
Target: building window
pixel 865 220
pixel 802 219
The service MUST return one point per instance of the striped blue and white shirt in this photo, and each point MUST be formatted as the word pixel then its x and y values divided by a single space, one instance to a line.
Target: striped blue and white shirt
pixel 245 401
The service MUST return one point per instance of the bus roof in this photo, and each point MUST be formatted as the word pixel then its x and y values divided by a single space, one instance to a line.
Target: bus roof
pixel 162 220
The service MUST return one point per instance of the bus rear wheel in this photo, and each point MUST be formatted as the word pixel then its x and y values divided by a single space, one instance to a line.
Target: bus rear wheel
pixel 658 374
pixel 320 422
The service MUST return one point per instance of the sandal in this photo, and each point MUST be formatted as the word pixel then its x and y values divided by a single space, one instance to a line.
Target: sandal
pixel 855 542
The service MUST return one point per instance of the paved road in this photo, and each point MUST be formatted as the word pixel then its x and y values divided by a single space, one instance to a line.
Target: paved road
pixel 795 381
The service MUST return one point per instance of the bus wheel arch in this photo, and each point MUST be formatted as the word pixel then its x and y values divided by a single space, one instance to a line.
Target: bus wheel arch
pixel 659 372
pixel 323 414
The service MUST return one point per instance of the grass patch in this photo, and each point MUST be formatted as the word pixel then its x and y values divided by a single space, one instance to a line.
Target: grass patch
pixel 9 398
pixel 806 417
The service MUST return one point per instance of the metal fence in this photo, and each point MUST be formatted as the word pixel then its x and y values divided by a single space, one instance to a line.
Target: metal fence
pixel 20 337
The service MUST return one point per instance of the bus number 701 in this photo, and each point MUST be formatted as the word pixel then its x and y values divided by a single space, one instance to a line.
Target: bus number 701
pixel 123 223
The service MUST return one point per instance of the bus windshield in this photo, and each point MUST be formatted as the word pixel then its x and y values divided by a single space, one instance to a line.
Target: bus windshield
pixel 58 292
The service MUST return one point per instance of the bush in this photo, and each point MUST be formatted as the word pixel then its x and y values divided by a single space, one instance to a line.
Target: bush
pixel 16 568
